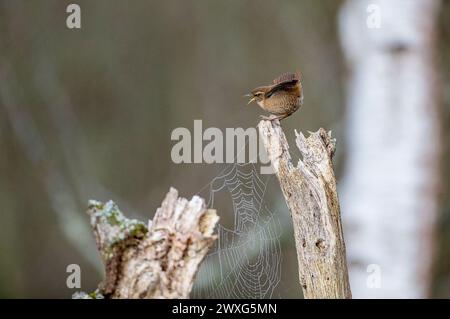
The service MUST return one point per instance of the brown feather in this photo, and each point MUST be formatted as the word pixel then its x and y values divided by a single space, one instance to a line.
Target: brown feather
pixel 284 86
pixel 287 77
pixel 282 98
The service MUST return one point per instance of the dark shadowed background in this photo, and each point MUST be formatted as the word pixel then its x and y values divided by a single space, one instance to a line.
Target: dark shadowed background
pixel 89 113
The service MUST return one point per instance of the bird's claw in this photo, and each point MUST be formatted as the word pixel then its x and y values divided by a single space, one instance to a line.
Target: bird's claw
pixel 269 118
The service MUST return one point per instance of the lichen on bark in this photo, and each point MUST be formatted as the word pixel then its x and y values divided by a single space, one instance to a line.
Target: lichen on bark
pixel 158 261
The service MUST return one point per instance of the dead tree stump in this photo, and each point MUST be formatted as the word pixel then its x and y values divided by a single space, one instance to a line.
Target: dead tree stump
pixel 310 193
pixel 155 261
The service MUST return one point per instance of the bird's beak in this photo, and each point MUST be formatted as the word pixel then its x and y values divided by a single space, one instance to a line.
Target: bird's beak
pixel 251 96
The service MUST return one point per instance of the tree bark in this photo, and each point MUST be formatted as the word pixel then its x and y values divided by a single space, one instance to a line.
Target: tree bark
pixel 310 193
pixel 158 261
pixel 390 185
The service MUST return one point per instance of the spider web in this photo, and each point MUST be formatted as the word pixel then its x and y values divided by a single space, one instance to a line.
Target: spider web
pixel 246 260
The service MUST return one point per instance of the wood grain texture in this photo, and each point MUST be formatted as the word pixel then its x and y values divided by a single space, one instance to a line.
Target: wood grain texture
pixel 311 196
pixel 155 261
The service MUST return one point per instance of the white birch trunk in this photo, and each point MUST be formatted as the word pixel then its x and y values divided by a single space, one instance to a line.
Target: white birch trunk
pixel 389 189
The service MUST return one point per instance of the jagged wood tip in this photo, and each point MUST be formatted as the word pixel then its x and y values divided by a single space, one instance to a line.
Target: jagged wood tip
pixel 155 261
pixel 310 192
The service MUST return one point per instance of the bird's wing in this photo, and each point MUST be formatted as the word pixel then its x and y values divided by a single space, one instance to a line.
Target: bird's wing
pixel 287 77
pixel 283 82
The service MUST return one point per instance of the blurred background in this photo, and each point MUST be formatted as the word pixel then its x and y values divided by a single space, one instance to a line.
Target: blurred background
pixel 88 114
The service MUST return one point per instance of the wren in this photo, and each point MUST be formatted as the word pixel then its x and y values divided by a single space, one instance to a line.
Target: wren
pixel 281 99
